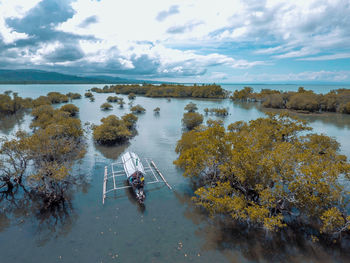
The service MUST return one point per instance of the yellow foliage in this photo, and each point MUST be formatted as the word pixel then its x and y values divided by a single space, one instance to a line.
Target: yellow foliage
pixel 114 130
pixel 260 171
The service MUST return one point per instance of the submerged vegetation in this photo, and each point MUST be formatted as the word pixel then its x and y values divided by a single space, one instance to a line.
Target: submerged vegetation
pixel 40 163
pixel 71 109
pixel 137 109
pixel 156 110
pixel 131 96
pixel 269 173
pixel 88 94
pixel 73 96
pixel 113 99
pixel 217 111
pixel 191 107
pixel 192 119
pixel 11 105
pixel 106 106
pixel 302 100
pixel 115 130
pixel 56 97
pixel 121 102
pixel 166 90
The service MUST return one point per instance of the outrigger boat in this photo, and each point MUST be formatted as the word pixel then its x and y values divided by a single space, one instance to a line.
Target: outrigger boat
pixel 135 173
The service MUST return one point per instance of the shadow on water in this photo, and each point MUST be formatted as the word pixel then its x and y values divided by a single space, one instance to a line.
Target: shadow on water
pixel 129 193
pixel 111 152
pixel 239 242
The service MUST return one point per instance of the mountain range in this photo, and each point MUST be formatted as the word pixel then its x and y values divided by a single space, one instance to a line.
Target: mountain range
pixel 32 76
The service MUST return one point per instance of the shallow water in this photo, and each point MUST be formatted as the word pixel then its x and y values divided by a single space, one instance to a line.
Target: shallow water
pixel 169 229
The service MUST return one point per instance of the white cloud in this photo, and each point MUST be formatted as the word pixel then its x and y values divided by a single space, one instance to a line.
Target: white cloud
pixel 184 37
pixel 321 76
pixel 327 57
pixel 13 8
pixel 218 76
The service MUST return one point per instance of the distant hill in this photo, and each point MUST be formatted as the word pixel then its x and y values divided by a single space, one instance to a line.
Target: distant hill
pixel 31 76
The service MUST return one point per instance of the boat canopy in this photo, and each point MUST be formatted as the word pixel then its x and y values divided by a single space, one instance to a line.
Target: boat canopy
pixel 132 164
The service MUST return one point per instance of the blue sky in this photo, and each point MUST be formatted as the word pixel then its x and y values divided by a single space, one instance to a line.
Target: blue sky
pixel 187 41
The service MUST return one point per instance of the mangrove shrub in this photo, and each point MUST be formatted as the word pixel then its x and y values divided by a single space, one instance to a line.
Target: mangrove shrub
pixel 270 172
pixel 192 119
pixel 137 109
pixel 114 130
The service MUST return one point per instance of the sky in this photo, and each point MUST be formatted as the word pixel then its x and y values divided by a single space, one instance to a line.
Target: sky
pixel 222 41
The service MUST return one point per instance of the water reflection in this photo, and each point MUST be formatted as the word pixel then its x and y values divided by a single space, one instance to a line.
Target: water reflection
pixel 48 223
pixel 239 242
pixel 54 222
pixel 246 105
pixel 8 122
pixel 24 207
pixel 132 199
pixel 111 152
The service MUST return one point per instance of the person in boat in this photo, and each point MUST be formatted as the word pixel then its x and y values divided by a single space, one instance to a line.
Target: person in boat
pixel 137 180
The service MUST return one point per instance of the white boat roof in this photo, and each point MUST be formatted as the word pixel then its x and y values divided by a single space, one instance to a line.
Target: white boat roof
pixel 132 163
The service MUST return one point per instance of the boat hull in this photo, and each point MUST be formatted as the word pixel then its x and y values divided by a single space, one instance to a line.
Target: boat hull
pixel 135 172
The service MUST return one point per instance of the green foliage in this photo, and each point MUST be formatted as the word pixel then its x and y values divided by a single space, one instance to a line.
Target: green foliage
pixel 137 109
pixel 192 119
pixel 56 97
pixel 121 102
pixel 191 107
pixel 345 108
pixel 274 101
pixel 105 89
pixel 114 130
pixel 113 99
pixel 42 100
pixel 88 95
pixel 217 111
pixel 303 100
pixel 167 90
pixel 130 120
pixel 12 105
pixel 265 173
pixel 73 96
pixel 51 150
pixel 70 108
pixel 243 94
pixel 106 106
pixel 131 96
pixel 13 162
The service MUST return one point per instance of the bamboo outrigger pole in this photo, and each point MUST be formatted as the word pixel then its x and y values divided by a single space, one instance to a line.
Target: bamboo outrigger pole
pixel 104 185
pixel 160 174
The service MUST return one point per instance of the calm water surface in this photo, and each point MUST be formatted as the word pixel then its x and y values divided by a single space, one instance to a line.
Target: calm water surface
pixel 169 229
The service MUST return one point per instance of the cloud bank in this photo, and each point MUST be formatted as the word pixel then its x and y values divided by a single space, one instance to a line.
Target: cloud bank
pixel 186 40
